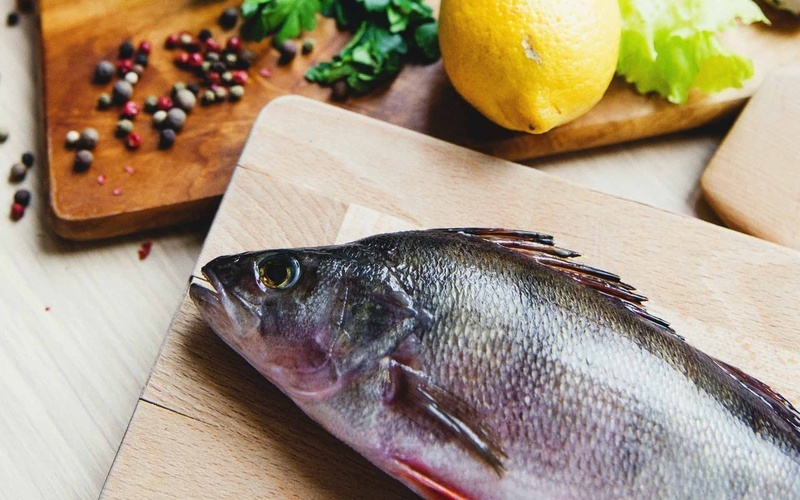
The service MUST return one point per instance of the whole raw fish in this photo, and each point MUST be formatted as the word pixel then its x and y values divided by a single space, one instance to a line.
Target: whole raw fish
pixel 479 363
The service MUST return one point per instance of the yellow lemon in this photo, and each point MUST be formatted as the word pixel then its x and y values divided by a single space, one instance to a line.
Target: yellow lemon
pixel 530 65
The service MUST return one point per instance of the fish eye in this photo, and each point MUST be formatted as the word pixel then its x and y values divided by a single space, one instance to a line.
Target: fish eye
pixel 279 272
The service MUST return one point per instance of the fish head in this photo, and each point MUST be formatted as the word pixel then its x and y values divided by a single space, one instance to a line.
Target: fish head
pixel 308 319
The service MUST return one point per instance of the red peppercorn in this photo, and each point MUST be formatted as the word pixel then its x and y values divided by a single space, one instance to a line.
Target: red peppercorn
pixel 234 44
pixel 239 77
pixel 172 41
pixel 17 211
pixel 182 58
pixel 144 250
pixel 265 72
pixel 195 59
pixel 213 78
pixel 133 140
pixel 164 103
pixel 145 47
pixel 124 66
pixel 213 45
pixel 129 110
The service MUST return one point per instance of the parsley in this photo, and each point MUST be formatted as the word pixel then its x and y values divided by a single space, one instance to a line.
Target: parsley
pixel 386 34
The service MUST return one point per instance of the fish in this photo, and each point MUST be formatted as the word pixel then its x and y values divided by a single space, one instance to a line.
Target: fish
pixel 489 363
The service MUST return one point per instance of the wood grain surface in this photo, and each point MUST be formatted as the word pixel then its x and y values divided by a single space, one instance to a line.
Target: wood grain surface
pixel 209 426
pixel 753 181
pixel 186 182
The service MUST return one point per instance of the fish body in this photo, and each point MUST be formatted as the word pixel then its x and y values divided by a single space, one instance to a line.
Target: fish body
pixel 485 364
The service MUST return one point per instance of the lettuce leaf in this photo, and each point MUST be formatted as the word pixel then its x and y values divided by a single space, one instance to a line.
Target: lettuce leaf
pixel 671 46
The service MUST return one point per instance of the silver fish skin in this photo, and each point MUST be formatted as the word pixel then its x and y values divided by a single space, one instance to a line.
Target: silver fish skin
pixel 478 363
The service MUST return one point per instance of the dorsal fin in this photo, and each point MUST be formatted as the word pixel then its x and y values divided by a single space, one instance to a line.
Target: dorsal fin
pixel 541 248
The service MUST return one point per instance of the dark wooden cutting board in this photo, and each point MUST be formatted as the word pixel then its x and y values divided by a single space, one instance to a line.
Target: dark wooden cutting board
pixel 186 182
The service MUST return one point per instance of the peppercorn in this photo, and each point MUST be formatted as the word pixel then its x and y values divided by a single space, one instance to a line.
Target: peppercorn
pixel 89 138
pixel 124 127
pixel 236 93
pixel 195 60
pixel 185 39
pixel 125 50
pixel 209 97
pixel 239 77
pixel 182 58
pixel 103 72
pixel 124 66
pixel 227 78
pixel 132 78
pixel 288 50
pixel 308 46
pixel 138 69
pixel 166 138
pixel 213 78
pixel 176 117
pixel 151 104
pixel 23 197
pixel 246 58
pixel 213 45
pixel 17 211
pixel 145 47
pixel 218 67
pixel 3 135
pixel 193 88
pixel 234 44
pixel 185 99
pixel 159 117
pixel 172 41
pixel 221 93
pixel 122 91
pixel 228 18
pixel 72 138
pixel 133 141
pixel 141 59
pixel 27 159
pixel 193 47
pixel 212 57
pixel 178 87
pixel 12 19
pixel 83 160
pixel 103 101
pixel 129 110
pixel 205 67
pixel 230 59
pixel 204 35
pixel 340 90
pixel 17 173
pixel 164 103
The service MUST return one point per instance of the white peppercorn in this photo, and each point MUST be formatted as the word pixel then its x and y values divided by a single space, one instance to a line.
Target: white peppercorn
pixel 185 99
pixel 104 101
pixel 132 78
pixel 236 93
pixel 124 127
pixel 176 117
pixel 209 97
pixel 89 138
pixel 151 104
pixel 72 138
pixel 159 117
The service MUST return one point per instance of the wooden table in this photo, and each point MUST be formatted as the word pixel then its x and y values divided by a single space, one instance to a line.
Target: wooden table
pixel 71 375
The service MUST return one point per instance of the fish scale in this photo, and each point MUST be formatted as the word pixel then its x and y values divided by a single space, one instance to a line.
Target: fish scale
pixel 469 369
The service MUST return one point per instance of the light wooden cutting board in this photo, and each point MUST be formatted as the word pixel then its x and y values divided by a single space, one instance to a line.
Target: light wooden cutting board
pixel 209 426
pixel 186 182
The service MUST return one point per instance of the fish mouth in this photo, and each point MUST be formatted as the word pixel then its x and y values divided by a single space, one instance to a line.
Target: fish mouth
pixel 217 307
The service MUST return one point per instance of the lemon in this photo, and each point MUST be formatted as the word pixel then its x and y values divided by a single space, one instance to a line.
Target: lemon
pixel 530 65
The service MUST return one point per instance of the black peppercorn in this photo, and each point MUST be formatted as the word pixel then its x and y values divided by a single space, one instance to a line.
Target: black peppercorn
pixel 193 88
pixel 204 35
pixel 83 160
pixel 103 72
pixel 27 159
pixel 288 50
pixel 246 58
pixel 340 90
pixel 228 18
pixel 23 197
pixel 166 138
pixel 17 173
pixel 308 46
pixel 219 67
pixel 126 50
pixel 12 19
pixel 141 59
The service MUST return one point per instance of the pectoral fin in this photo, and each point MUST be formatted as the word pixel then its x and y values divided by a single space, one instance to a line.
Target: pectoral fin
pixel 409 386
pixel 426 485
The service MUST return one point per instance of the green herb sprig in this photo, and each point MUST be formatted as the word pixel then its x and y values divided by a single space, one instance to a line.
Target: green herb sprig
pixel 386 34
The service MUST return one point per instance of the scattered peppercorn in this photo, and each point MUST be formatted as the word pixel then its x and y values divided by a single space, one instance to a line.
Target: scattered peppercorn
pixel 145 249
pixel 12 19
pixel 104 101
pixel 128 169
pixel 89 138
pixel 27 159
pixel 239 77
pixel 236 93
pixel 185 99
pixel 340 90
pixel 124 66
pixel 132 78
pixel 204 35
pixel 129 110
pixel 122 91
pixel 175 119
pixel 17 211
pixel 185 39
pixel 228 18
pixel 117 191
pixel 227 77
pixel 213 45
pixel 159 117
pixel 164 103
pixel 72 138
pixel 145 47
pixel 230 59
pixel 133 141
pixel 166 138
pixel 182 59
pixel 172 41
pixel 141 59
pixel 195 60
pixel 288 51
pixel 209 97
pixel 101 179
pixel 83 160
pixel 221 93
pixel 17 173
pixel 246 58
pixel 3 135
pixel 178 87
pixel 124 127
pixel 103 72
pixel 212 57
pixel 265 72
pixel 234 44
pixel 151 104
pixel 193 88
pixel 125 50
pixel 308 46
pixel 23 197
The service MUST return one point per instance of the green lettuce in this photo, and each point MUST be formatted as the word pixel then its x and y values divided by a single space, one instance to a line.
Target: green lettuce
pixel 671 46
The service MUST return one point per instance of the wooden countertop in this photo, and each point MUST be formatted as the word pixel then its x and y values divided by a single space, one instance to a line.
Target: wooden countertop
pixel 71 375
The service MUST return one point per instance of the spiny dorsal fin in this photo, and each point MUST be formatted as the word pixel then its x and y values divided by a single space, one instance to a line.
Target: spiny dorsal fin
pixel 541 248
